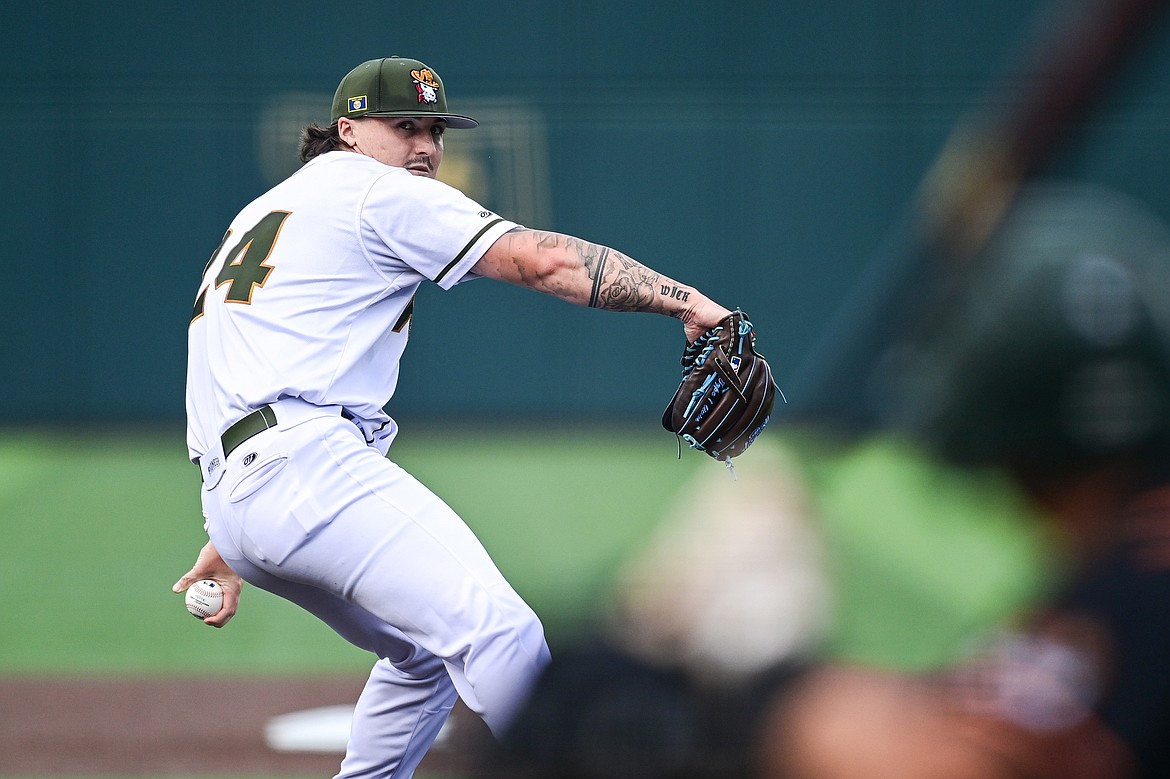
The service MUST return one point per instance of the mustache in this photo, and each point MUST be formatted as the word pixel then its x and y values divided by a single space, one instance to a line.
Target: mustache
pixel 426 162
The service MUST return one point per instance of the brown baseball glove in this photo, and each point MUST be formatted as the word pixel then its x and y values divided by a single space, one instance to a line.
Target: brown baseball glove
pixel 727 391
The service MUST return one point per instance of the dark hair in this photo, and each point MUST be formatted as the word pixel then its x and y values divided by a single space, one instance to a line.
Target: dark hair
pixel 316 140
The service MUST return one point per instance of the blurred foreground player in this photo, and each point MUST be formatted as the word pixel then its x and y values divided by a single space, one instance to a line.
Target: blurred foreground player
pixel 1052 365
pixel 1049 364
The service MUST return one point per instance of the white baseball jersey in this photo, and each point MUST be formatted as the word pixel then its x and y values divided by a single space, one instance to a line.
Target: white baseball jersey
pixel 305 307
pixel 311 290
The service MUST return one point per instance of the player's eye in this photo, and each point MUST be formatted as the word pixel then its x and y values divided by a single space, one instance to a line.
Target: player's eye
pixel 438 129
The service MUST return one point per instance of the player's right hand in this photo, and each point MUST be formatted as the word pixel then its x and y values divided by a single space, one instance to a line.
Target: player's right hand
pixel 209 565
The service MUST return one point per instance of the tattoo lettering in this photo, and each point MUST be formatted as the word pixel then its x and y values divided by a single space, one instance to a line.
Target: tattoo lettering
pixel 671 291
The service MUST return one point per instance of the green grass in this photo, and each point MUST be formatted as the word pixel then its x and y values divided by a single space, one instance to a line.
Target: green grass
pixel 96 528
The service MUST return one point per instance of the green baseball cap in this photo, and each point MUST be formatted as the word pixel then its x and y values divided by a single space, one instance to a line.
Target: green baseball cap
pixel 395 86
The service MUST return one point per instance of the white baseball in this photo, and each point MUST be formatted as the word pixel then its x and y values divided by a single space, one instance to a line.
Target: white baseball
pixel 204 599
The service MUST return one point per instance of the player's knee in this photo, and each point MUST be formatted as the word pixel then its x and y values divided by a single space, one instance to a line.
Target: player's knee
pixel 520 626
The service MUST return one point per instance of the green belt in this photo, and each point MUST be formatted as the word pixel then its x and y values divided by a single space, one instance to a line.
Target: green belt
pixel 257 422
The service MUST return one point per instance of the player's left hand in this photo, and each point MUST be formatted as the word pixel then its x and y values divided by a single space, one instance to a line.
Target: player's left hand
pixel 209 565
pixel 698 319
pixel 727 391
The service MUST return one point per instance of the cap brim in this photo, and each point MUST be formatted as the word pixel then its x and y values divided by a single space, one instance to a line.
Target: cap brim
pixel 454 121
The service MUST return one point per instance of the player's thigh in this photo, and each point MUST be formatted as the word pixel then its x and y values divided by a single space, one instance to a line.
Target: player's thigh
pixel 353 623
pixel 341 517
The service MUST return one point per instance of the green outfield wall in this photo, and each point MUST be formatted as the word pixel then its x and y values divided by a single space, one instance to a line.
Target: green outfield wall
pixel 762 150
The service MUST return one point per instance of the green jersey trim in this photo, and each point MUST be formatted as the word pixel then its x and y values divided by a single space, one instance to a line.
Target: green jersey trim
pixel 459 257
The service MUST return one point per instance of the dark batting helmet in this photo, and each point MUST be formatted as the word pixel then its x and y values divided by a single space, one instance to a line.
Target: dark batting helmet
pixel 1055 351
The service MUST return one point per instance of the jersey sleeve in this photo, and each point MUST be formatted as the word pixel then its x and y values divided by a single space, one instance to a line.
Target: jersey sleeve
pixel 428 226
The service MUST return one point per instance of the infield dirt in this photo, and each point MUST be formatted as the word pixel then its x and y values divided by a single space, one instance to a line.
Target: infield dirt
pixel 85 726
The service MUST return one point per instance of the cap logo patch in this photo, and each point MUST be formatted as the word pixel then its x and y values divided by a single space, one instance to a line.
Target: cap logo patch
pixel 357 103
pixel 426 84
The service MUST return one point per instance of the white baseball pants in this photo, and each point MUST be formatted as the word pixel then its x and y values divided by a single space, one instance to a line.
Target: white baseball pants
pixel 307 510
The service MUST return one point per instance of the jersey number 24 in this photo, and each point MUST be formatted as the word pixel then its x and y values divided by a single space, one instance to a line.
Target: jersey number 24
pixel 243 266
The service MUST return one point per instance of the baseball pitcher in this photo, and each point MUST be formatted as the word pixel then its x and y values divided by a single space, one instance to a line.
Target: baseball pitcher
pixel 298 326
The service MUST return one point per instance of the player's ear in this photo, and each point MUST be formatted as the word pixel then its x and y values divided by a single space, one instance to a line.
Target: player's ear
pixel 345 130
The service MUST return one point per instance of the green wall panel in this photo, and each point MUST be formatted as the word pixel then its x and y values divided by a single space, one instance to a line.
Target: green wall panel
pixel 762 150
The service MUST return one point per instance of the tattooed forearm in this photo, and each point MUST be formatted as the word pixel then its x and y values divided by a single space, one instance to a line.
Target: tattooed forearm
pixel 588 274
pixel 590 256
pixel 627 286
